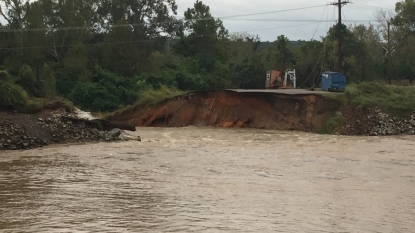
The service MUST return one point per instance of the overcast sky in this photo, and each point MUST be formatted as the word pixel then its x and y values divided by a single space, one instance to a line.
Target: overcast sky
pixel 304 24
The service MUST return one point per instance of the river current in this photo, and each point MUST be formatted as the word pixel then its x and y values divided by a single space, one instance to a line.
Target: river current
pixel 212 180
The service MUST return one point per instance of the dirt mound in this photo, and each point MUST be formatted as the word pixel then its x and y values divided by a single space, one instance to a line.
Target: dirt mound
pixel 26 131
pixel 233 110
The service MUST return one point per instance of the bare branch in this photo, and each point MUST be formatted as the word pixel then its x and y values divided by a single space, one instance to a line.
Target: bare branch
pixel 4 15
pixel 383 17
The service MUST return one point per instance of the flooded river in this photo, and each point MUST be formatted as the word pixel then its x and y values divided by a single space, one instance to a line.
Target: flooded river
pixel 212 180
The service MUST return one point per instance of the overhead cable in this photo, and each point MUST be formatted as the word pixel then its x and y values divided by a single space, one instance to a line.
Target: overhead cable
pixel 142 41
pixel 150 23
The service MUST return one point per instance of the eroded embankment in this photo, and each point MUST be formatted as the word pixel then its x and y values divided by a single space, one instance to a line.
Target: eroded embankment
pixel 231 109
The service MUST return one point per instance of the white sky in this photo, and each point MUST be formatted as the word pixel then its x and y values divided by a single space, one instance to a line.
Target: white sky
pixel 362 10
pixel 305 24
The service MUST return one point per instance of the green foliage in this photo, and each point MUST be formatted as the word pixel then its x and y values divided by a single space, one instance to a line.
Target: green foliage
pixel 404 15
pixel 94 97
pixel 204 39
pixel 16 98
pixel 210 28
pixel 153 97
pixel 330 126
pixel 308 66
pixel 48 82
pixel 107 92
pixel 397 101
pixel 27 79
pixel 284 56
pixel 103 66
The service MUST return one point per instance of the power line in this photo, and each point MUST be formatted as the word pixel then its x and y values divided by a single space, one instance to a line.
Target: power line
pixel 299 20
pixel 318 60
pixel 319 23
pixel 362 8
pixel 267 29
pixel 132 25
pixel 140 41
pixel 372 6
pixel 153 23
pixel 324 57
pixel 271 12
pixel 344 16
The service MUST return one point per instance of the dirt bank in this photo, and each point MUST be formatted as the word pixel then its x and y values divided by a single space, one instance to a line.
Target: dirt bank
pixel 229 109
pixel 233 110
pixel 26 131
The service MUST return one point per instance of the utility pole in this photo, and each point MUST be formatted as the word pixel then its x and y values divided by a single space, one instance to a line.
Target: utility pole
pixel 339 4
pixel 389 52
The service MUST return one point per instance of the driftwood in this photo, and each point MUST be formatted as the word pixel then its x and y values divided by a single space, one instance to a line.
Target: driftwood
pixel 103 124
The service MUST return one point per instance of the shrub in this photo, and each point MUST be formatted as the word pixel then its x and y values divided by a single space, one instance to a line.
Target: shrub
pixel 27 79
pixel 107 92
pixel 153 97
pixel 16 98
pixel 94 97
pixel 394 100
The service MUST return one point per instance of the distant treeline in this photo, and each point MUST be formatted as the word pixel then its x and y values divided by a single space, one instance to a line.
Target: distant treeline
pixel 101 54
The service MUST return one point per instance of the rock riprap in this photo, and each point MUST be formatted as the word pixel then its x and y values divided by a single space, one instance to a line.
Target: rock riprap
pixel 53 129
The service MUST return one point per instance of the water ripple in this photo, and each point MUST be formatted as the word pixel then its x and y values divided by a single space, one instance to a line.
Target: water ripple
pixel 212 180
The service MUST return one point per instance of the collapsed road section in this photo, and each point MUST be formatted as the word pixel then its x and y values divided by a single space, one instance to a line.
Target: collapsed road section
pixel 269 109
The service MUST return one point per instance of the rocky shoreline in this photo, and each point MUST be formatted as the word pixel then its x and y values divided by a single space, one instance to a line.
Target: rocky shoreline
pixel 386 125
pixel 28 131
pixel 375 122
pixel 23 131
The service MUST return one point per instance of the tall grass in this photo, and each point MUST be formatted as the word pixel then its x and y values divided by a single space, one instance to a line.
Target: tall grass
pixel 152 97
pixel 14 97
pixel 147 98
pixel 394 100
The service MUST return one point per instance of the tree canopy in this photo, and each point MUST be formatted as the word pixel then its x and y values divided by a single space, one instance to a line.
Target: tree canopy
pixel 102 54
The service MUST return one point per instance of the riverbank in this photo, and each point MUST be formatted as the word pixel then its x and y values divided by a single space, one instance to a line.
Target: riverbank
pixel 358 111
pixel 28 131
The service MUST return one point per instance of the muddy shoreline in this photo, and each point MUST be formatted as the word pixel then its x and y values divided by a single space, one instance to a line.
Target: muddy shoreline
pixel 229 109
pixel 224 109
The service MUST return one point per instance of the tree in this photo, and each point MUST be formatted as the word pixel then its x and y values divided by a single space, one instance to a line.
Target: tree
pixel 404 18
pixel 77 17
pixel 310 57
pixel 284 57
pixel 370 62
pixel 14 13
pixel 203 37
pixel 199 22
pixel 402 34
pixel 143 30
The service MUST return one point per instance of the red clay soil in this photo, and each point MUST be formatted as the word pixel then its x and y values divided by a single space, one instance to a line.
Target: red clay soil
pixel 233 110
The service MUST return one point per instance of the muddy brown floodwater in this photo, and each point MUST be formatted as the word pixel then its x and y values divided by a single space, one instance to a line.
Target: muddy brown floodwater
pixel 212 180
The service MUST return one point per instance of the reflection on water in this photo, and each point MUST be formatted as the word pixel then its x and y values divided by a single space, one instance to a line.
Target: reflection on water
pixel 212 180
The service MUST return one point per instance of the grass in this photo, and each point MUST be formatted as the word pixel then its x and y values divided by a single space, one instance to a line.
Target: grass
pixel 147 98
pixel 394 100
pixel 331 125
pixel 153 97
pixel 58 101
pixel 14 97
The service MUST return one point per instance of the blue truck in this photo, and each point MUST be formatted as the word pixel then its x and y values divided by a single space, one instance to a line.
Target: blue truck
pixel 333 81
